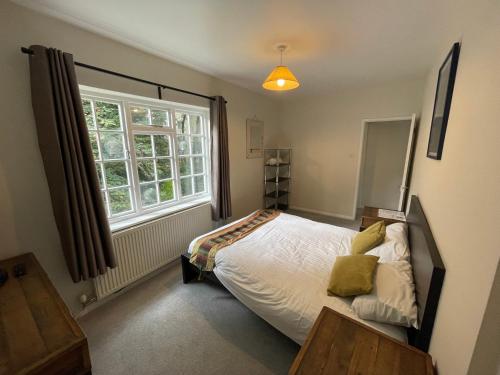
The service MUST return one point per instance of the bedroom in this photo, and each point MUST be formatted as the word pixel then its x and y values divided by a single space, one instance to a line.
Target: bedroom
pixel 355 63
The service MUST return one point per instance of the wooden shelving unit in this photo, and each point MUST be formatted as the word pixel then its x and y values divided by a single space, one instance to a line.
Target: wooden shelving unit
pixel 277 177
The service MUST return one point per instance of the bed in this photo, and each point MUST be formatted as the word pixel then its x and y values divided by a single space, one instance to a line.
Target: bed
pixel 281 271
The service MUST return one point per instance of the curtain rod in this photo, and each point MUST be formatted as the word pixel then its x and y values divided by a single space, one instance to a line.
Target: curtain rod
pixel 117 74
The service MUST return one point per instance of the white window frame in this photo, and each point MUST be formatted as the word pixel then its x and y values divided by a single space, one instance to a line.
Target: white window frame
pixel 125 101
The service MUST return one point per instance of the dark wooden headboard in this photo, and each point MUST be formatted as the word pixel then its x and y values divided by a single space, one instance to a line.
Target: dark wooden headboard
pixel 428 273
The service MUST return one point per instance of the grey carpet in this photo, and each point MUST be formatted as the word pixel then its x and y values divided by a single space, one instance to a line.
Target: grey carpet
pixel 162 326
pixel 165 327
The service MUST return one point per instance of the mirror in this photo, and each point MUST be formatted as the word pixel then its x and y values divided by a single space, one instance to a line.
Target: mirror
pixel 255 139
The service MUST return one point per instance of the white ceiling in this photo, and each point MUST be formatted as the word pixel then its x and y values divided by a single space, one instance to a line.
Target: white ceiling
pixel 333 43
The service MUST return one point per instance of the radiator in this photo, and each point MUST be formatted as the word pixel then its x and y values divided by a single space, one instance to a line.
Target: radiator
pixel 144 248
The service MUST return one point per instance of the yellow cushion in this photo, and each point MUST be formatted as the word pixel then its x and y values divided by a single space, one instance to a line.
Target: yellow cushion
pixel 372 236
pixel 352 275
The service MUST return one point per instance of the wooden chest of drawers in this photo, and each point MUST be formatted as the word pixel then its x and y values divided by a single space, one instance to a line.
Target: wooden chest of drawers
pixel 339 345
pixel 370 217
pixel 37 333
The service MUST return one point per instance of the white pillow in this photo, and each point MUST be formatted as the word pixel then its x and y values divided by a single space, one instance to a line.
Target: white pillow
pixel 395 246
pixel 392 299
pixel 397 232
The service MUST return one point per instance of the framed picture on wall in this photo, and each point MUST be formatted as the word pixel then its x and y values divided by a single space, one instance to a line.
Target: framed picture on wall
pixel 255 138
pixel 442 103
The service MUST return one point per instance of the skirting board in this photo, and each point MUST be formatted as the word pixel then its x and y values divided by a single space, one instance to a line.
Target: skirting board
pixel 325 213
pixel 99 303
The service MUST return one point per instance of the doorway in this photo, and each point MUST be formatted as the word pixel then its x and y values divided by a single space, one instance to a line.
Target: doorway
pixel 385 160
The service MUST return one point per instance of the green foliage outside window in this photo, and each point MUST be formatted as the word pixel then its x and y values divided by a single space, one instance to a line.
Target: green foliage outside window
pixel 143 146
pixel 166 191
pixel 158 118
pixel 87 111
pixel 119 200
pixel 146 170
pixel 116 174
pixel 107 116
pixel 148 194
pixel 186 186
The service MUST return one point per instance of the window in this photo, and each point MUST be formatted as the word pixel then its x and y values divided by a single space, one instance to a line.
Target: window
pixel 191 141
pixel 149 154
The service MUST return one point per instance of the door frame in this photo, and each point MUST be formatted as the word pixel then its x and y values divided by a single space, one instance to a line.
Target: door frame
pixel 362 147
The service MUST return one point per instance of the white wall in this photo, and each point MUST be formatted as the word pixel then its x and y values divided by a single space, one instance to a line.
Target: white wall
pixel 383 163
pixel 459 194
pixel 26 219
pixel 486 357
pixel 325 134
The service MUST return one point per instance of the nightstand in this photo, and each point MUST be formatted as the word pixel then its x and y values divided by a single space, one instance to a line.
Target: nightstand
pixel 371 216
pixel 338 344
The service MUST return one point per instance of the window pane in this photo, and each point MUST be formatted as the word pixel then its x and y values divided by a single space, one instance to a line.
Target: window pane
pixel 119 200
pixel 146 170
pixel 183 144
pixel 143 147
pixel 166 191
pixel 186 186
pixel 196 145
pixel 112 145
pixel 116 174
pixel 140 116
pixel 162 145
pixel 87 111
pixel 98 167
pixel 159 118
pixel 148 194
pixel 105 201
pixel 195 123
pixel 199 184
pixel 107 115
pixel 93 144
pixel 181 123
pixel 184 166
pixel 197 165
pixel 163 169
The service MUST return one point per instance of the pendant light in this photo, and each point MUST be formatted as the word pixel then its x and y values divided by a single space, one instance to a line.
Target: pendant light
pixel 281 78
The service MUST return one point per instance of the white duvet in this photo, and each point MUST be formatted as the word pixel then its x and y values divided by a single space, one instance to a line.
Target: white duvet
pixel 281 272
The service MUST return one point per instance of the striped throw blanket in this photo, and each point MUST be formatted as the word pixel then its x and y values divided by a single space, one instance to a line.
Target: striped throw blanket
pixel 205 248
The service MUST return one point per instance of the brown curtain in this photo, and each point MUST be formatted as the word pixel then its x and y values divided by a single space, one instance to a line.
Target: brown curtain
pixel 69 164
pixel 221 189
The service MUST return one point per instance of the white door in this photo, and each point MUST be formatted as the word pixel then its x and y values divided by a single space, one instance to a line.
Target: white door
pixel 408 161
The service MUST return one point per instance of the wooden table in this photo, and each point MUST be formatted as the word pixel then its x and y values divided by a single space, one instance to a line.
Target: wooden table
pixel 340 345
pixel 370 216
pixel 37 333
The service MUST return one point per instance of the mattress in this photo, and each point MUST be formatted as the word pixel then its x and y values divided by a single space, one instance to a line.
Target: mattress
pixel 281 272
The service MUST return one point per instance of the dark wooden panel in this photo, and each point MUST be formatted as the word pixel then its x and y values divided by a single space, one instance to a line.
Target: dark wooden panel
pixel 189 270
pixel 428 273
pixel 428 268
pixel 38 335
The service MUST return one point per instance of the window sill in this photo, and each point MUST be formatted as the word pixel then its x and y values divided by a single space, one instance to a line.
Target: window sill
pixel 127 223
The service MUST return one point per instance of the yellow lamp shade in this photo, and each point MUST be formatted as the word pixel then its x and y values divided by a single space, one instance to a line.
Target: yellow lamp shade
pixel 281 79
